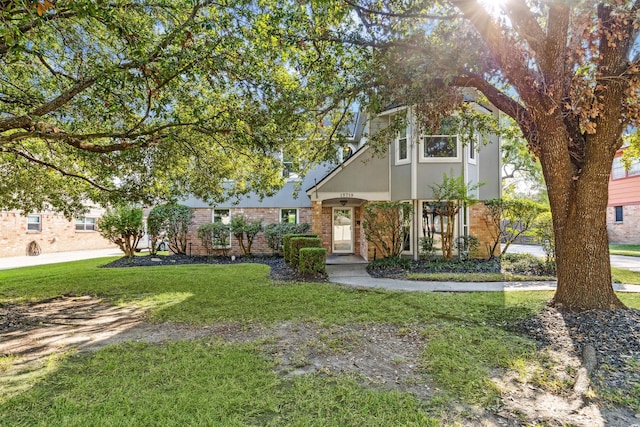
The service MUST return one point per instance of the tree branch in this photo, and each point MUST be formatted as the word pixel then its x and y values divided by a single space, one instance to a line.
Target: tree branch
pixel 404 15
pixel 511 64
pixel 56 168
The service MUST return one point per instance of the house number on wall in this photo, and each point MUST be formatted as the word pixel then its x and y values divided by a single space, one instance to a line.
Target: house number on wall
pixel 346 194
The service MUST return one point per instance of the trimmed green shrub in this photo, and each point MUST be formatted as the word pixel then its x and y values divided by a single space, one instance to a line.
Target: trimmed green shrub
pixel 297 243
pixel 286 244
pixel 243 229
pixel 273 234
pixel 312 260
pixel 215 237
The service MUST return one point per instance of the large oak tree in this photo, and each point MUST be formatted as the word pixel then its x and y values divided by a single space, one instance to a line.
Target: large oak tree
pixel 565 71
pixel 150 100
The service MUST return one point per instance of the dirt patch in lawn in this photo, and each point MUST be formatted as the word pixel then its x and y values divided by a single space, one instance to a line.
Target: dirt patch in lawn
pixel 33 336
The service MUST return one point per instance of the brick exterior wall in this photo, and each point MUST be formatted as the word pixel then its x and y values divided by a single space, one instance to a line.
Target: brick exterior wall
pixel 479 227
pixel 627 231
pixel 268 215
pixel 57 234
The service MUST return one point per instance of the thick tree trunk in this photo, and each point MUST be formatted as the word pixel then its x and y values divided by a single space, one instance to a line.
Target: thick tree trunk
pixel 579 207
pixel 582 258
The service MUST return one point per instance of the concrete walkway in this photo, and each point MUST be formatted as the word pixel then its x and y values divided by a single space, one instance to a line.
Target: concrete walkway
pixel 356 275
pixel 351 271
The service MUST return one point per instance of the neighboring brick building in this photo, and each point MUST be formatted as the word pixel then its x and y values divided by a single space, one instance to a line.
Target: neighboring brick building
pixel 623 211
pixel 47 232
pixel 336 196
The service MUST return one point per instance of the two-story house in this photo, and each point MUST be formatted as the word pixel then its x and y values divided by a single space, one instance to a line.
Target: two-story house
pixel 337 194
pixel 414 162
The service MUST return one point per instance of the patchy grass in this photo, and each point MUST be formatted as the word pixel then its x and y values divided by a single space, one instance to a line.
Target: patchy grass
pixel 627 250
pixel 460 358
pixel 243 292
pixel 210 383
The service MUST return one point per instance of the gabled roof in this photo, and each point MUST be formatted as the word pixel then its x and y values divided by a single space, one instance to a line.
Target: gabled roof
pixel 337 169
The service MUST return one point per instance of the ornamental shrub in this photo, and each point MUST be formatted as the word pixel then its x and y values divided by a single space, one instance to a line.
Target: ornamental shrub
pixel 286 244
pixel 312 261
pixel 243 229
pixel 273 234
pixel 123 226
pixel 215 236
pixel 298 243
pixel 172 220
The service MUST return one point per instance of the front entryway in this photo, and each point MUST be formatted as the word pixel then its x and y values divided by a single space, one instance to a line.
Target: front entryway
pixel 342 240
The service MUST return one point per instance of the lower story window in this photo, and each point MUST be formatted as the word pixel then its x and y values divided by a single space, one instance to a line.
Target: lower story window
pixel 618 213
pixel 289 215
pixel 85 224
pixel 222 216
pixel 34 223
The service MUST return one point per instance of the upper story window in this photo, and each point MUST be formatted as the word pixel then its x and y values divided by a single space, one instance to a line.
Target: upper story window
pixel 441 147
pixel 473 154
pixel 34 223
pixel 288 167
pixel 634 168
pixel 289 215
pixel 402 146
pixel 84 223
pixel 618 169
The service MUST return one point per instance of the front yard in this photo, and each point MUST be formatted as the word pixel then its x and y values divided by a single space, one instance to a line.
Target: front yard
pixel 226 345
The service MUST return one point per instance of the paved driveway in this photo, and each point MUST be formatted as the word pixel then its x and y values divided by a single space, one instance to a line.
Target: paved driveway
pixel 56 257
pixel 629 262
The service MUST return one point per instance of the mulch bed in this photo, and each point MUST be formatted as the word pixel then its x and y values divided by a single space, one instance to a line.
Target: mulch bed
pixel 280 271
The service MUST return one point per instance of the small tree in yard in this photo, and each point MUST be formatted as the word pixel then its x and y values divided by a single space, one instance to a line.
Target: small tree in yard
pixel 450 196
pixel 122 226
pixel 512 218
pixel 174 220
pixel 385 226
pixel 242 229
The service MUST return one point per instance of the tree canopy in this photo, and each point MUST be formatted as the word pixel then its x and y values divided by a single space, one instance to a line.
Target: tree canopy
pixel 565 72
pixel 148 100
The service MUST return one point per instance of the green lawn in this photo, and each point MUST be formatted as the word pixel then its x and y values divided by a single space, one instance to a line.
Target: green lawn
pixel 628 250
pixel 207 382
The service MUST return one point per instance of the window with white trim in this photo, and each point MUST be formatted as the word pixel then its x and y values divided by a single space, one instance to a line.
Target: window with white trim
pixel 34 223
pixel 618 170
pixel 289 216
pixel 223 216
pixel 84 223
pixel 402 146
pixel 634 168
pixel 443 146
pixel 473 155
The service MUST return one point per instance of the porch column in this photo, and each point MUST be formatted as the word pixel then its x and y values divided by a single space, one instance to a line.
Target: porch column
pixel 316 218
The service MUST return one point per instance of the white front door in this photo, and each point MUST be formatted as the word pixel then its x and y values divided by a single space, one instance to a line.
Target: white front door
pixel 342 230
